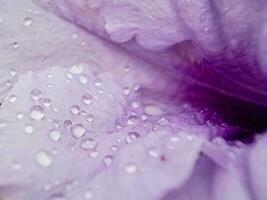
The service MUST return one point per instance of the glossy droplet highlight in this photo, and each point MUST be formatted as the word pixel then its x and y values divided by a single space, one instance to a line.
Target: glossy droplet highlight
pixel 43 159
pixel 78 130
pixel 27 21
pixel 87 99
pixel 12 98
pixel 131 137
pixel 54 135
pixel 28 129
pixel 37 112
pixel 108 160
pixel 36 94
pixel 74 109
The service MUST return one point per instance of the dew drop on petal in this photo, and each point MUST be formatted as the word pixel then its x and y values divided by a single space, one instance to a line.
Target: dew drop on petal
pixel 78 130
pixel 16 166
pixel 131 168
pixel 54 135
pixel 83 79
pixel 108 160
pixel 2 123
pixel 93 154
pixel 89 118
pixel 88 143
pixel 132 136
pixel 27 21
pixel 37 112
pixel 13 72
pixel 67 123
pixel 87 99
pixel 153 152
pixel 43 159
pixel 46 102
pixel 75 110
pixel 36 94
pixel 28 129
pixel 77 69
pixel 19 116
pixel 12 98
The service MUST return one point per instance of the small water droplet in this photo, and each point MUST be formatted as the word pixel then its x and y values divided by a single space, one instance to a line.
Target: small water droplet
pixel 132 136
pixel 46 102
pixel 54 135
pixel 87 99
pixel 19 116
pixel 28 129
pixel 12 98
pixel 27 21
pixel 108 160
pixel 75 110
pixel 43 159
pixel 93 154
pixel 49 85
pixel 2 123
pixel 135 104
pixel 78 130
pixel 126 91
pixel 132 120
pixel 153 152
pixel 13 72
pixel 15 45
pixel 88 143
pixel 74 36
pixel 83 79
pixel 37 112
pixel 36 94
pixel 153 110
pixel 131 168
pixel 77 69
pixel 67 123
pixel 90 118
pixel 114 148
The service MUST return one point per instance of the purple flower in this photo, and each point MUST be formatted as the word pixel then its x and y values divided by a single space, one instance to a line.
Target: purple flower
pixel 105 99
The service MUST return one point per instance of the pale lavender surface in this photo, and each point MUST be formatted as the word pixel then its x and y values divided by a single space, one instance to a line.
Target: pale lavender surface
pixel 121 72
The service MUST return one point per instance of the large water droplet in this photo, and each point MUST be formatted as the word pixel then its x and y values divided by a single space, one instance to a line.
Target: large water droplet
pixel 54 135
pixel 78 130
pixel 36 94
pixel 88 143
pixel 108 160
pixel 43 159
pixel 37 112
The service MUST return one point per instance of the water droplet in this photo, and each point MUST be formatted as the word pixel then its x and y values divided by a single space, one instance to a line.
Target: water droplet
pixel 163 122
pixel 36 94
pixel 87 99
pixel 15 45
pixel 108 160
pixel 135 104
pixel 132 120
pixel 90 118
pixel 49 85
pixel 2 123
pixel 43 159
pixel 69 75
pixel 12 98
pixel 46 102
pixel 67 123
pixel 175 138
pixel 93 154
pixel 37 112
pixel 27 21
pixel 19 116
pixel 114 148
pixel 126 91
pixel 83 79
pixel 88 143
pixel 28 129
pixel 16 166
pixel 75 110
pixel 78 130
pixel 54 135
pixel 77 69
pixel 131 168
pixel 132 136
pixel 13 72
pixel 153 152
